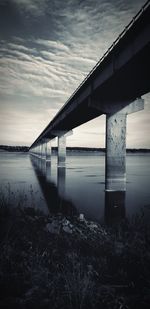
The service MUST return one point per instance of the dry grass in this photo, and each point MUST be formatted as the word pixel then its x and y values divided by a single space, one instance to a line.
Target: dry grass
pixel 89 268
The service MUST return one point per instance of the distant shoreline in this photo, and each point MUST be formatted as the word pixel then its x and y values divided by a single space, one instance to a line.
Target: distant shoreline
pixel 69 149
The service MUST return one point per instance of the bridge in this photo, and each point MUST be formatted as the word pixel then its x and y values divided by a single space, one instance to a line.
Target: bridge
pixel 114 87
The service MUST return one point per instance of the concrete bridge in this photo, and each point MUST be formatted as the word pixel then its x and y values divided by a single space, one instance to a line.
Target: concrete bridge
pixel 114 87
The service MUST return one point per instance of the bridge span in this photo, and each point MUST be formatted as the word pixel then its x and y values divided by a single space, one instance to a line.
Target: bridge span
pixel 114 87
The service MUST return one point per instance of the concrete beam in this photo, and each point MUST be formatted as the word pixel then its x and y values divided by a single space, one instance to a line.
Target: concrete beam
pixel 125 107
pixel 60 133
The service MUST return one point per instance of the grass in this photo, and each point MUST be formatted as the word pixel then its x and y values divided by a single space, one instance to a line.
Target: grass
pixel 89 266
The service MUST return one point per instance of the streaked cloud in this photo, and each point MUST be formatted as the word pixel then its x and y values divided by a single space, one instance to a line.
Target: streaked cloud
pixel 46 50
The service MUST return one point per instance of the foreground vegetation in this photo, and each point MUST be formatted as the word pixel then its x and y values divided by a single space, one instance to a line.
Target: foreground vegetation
pixel 56 261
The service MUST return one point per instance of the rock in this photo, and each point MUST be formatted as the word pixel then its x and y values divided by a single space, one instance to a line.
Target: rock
pixel 67 229
pixel 92 225
pixel 53 227
pixel 67 226
pixel 81 217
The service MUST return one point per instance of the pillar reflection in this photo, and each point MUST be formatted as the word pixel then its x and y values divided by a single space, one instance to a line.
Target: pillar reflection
pixel 61 181
pixel 53 195
pixel 114 206
pixel 48 171
pixel 43 167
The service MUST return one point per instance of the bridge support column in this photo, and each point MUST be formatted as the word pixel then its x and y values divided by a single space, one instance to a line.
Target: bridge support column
pixel 115 167
pixel 45 150
pixel 61 151
pixel 38 151
pixel 62 146
pixel 42 151
pixel 48 151
pixel 116 117
pixel 115 152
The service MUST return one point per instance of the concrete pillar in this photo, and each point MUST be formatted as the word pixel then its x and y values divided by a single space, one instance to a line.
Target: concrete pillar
pixel 48 151
pixel 45 150
pixel 61 151
pixel 116 144
pixel 116 115
pixel 115 152
pixel 40 151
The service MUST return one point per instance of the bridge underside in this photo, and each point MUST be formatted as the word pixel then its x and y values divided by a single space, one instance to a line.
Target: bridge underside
pixel 124 86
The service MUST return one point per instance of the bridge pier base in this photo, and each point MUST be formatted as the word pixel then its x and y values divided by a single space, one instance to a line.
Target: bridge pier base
pixel 61 151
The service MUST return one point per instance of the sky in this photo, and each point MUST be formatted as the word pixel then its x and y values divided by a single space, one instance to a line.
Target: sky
pixel 47 47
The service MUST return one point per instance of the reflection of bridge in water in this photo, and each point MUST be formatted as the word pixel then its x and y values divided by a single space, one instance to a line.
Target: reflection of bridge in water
pixel 55 197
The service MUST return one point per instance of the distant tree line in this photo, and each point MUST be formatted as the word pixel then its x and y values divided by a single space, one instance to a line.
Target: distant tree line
pixel 26 149
pixel 14 148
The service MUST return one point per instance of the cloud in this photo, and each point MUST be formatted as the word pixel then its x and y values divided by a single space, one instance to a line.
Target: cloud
pixel 34 7
pixel 52 47
pixel 38 72
pixel 56 45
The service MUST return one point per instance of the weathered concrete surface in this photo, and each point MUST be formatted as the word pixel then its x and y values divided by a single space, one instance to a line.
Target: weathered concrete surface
pixel 115 152
pixel 61 151
pixel 43 151
pixel 48 152
pixel 115 165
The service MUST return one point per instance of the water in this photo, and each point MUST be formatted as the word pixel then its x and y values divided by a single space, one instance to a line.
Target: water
pixel 78 188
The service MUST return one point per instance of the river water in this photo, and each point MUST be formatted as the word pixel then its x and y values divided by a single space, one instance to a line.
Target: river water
pixel 78 188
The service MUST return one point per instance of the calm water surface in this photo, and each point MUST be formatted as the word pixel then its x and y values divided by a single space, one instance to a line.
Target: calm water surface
pixel 79 187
